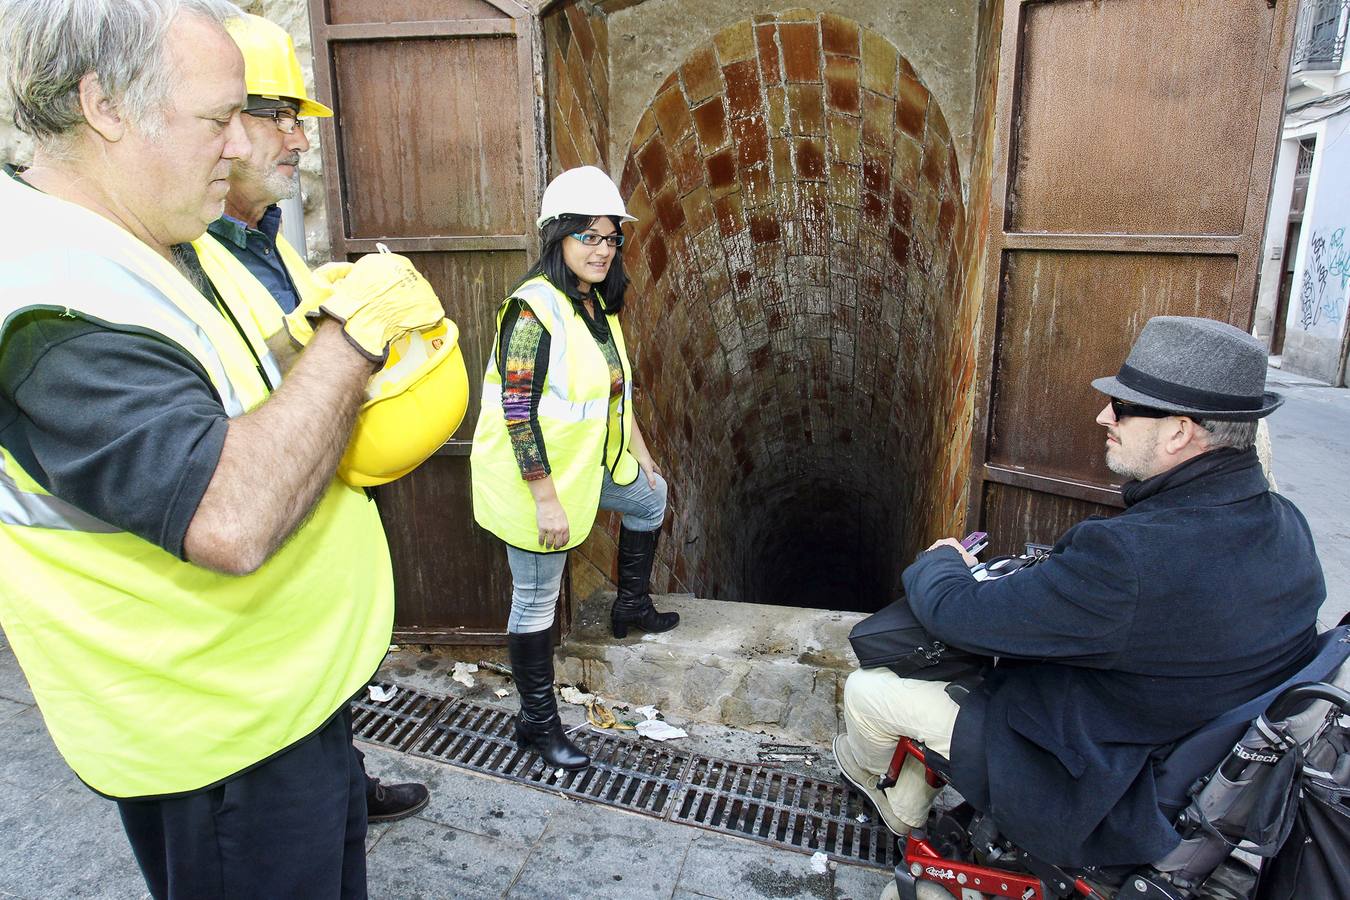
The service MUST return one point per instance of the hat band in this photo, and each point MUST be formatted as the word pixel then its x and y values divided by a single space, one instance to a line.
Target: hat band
pixel 1181 395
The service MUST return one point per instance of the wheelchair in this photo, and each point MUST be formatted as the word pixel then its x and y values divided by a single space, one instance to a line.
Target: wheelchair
pixel 1216 786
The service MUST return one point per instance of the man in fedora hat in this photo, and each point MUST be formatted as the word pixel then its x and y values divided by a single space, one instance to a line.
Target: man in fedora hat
pixel 1202 594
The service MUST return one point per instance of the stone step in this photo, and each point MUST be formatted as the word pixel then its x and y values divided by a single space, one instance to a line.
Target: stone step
pixel 779 669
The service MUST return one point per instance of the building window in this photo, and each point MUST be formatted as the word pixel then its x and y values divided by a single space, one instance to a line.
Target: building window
pixel 1319 37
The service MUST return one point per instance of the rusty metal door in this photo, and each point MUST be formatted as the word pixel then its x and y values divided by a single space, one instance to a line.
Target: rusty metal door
pixel 1134 146
pixel 434 152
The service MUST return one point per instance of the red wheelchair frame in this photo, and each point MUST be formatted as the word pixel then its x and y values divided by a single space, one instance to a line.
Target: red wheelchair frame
pixel 925 863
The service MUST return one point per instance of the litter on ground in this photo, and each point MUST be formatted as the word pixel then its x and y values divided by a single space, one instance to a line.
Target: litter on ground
pixel 598 715
pixel 574 696
pixel 787 753
pixel 463 673
pixel 657 730
pixel 381 694
pixel 489 666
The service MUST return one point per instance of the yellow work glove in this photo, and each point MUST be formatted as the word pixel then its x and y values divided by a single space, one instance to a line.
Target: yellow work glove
pixel 378 299
pixel 297 322
pixel 381 299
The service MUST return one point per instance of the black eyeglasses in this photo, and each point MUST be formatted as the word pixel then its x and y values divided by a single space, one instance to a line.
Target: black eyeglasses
pixel 1123 408
pixel 285 119
pixel 593 240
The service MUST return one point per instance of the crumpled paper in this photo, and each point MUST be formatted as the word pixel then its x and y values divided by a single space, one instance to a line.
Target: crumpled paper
pixel 577 698
pixel 657 730
pixel 463 673
pixel 380 693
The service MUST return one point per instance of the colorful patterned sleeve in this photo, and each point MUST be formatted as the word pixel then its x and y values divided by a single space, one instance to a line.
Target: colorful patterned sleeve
pixel 524 350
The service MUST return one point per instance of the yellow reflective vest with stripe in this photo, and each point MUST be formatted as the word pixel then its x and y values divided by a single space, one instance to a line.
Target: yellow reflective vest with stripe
pixel 585 430
pixel 233 279
pixel 156 676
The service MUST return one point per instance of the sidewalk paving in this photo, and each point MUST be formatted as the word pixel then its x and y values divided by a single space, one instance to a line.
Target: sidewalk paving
pixel 1310 439
pixel 479 837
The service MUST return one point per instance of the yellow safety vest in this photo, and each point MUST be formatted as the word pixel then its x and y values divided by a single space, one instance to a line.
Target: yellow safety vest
pixel 233 279
pixel 585 431
pixel 156 676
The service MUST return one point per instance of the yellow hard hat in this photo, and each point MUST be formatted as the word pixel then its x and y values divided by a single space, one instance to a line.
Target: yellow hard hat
pixel 271 68
pixel 412 407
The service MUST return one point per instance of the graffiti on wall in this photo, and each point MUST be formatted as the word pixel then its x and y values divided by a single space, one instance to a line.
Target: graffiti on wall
pixel 1325 277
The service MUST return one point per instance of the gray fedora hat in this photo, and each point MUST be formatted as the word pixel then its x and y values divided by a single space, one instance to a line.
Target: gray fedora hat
pixel 1195 367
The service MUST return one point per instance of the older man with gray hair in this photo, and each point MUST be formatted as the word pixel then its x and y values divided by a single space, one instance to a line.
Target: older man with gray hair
pixel 191 616
pixel 1202 594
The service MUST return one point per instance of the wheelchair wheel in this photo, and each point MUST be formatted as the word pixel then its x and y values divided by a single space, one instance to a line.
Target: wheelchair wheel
pixel 926 890
pixel 1232 880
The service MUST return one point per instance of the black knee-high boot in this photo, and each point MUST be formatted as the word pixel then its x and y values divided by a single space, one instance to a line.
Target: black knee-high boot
pixel 633 605
pixel 538 726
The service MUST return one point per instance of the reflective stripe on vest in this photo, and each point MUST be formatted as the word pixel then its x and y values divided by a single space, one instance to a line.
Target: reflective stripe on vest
pixel 584 430
pixel 555 400
pixel 155 676
pixel 30 506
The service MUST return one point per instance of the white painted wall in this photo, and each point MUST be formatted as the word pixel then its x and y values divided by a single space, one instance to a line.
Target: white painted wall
pixel 1273 251
pixel 1315 328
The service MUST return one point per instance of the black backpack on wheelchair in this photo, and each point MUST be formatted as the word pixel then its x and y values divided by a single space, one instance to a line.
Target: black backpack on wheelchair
pixel 1243 782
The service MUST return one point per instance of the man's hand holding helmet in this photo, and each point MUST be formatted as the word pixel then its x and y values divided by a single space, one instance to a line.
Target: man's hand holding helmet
pixel 378 299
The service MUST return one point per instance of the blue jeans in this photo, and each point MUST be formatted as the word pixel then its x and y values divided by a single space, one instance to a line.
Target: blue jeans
pixel 536 578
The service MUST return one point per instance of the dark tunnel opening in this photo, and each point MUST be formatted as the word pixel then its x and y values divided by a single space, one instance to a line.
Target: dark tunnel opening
pixel 822 546
pixel 799 281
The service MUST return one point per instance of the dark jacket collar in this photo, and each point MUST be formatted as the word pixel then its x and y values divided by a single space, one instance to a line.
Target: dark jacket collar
pixel 1219 476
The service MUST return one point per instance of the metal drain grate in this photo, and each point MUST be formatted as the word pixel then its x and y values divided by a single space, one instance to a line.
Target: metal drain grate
pixel 759 802
pixel 623 773
pixel 784 809
pixel 395 722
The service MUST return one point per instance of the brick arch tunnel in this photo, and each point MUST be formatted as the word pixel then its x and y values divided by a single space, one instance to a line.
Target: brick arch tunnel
pixel 798 274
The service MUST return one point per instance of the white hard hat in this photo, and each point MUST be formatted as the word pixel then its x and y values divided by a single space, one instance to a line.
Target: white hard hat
pixel 583 191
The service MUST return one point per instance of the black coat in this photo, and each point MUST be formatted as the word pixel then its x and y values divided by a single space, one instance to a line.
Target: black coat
pixel 1202 594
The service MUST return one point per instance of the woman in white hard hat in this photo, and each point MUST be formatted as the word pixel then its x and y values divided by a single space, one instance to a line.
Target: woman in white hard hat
pixel 556 440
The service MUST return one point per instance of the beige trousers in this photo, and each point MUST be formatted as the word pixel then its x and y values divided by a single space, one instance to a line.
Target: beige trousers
pixel 879 708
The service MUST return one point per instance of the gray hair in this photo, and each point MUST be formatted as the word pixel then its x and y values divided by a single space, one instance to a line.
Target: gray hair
pixel 1238 435
pixel 48 46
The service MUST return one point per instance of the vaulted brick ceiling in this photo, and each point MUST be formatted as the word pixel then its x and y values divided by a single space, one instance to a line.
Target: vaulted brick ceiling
pixel 796 270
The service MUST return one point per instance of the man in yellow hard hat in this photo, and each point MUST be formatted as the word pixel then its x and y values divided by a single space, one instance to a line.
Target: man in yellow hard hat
pixel 250 231
pixel 275 115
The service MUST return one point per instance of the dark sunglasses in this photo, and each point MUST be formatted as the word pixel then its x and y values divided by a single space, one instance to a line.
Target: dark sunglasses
pixel 1122 408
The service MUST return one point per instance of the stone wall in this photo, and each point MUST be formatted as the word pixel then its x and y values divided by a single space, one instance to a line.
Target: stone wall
pixel 293 15
pixel 649 40
pixel 806 289
pixel 943 505
pixel 801 320
pixel 576 53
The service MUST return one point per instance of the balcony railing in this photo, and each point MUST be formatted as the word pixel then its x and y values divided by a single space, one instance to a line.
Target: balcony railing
pixel 1319 36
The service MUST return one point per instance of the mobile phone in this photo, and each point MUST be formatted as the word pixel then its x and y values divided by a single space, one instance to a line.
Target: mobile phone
pixel 975 542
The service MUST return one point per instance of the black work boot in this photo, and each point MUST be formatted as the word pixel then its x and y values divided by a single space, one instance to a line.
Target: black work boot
pixel 633 605
pixel 391 802
pixel 538 727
